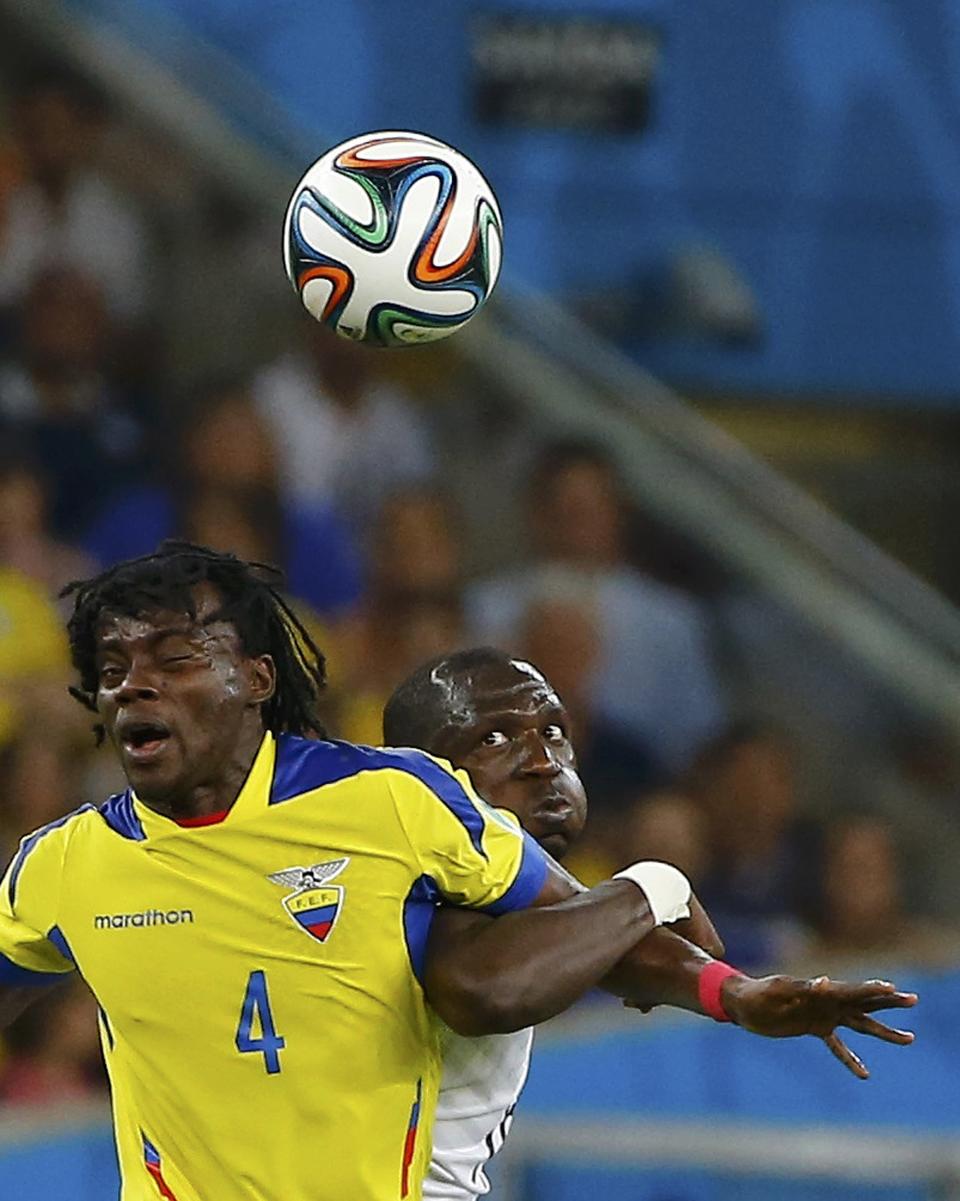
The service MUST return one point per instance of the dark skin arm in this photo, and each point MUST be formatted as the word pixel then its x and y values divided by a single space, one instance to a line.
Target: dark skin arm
pixel 773 1006
pixel 536 962
pixel 487 975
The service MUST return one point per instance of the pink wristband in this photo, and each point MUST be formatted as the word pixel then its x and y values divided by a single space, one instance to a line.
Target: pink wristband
pixel 709 985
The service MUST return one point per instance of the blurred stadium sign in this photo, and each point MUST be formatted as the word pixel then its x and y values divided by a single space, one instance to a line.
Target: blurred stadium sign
pixel 564 71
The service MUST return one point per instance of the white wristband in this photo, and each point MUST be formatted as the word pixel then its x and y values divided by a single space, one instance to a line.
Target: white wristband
pixel 667 889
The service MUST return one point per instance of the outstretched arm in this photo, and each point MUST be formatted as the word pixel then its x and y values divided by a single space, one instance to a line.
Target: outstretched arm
pixel 531 964
pixel 486 975
pixel 667 970
pixel 784 1007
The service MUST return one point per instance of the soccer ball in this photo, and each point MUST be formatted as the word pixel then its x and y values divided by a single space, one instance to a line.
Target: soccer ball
pixel 393 239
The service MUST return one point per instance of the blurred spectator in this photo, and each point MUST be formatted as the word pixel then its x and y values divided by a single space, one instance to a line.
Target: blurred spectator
pixel 44 769
pixel 413 611
pixel 54 1051
pixel 55 397
pixel 62 213
pixel 655 675
pixel 560 633
pixel 344 432
pixel 759 887
pixel 915 769
pixel 927 756
pixel 861 911
pixel 243 520
pixel 670 826
pixel 34 661
pixel 222 488
pixel 26 544
pixel 415 544
pixel 397 633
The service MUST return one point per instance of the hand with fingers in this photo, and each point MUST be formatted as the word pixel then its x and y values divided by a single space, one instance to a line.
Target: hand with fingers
pixel 785 1007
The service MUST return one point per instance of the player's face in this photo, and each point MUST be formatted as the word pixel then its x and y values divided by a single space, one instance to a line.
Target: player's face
pixel 180 702
pixel 510 731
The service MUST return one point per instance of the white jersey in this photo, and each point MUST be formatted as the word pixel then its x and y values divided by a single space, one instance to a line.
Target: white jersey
pixel 481 1084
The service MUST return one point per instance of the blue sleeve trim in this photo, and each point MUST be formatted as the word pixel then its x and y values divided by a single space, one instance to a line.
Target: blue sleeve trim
pixel 30 843
pixel 528 883
pixel 22 977
pixel 56 936
pixel 445 788
pixel 304 765
pixel 418 912
pixel 119 814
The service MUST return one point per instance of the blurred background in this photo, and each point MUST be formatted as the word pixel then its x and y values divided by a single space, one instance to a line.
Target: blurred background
pixel 699 460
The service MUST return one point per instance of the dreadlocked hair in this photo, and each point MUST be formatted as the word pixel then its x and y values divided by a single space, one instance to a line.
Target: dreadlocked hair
pixel 251 602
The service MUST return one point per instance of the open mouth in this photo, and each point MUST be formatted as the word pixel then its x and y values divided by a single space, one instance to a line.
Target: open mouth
pixel 143 740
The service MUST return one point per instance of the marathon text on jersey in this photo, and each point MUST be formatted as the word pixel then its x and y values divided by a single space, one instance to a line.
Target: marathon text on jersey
pixel 149 917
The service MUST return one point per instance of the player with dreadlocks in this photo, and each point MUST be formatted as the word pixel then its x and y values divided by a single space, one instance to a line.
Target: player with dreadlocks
pixel 252 912
pixel 248 912
pixel 248 599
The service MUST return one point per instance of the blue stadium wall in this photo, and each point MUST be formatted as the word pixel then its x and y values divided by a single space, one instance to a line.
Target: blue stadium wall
pixel 814 142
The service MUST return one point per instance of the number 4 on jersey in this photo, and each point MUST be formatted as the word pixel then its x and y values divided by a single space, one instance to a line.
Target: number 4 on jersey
pixel 256 1003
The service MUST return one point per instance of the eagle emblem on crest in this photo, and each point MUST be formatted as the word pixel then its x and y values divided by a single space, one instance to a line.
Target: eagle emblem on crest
pixel 314 903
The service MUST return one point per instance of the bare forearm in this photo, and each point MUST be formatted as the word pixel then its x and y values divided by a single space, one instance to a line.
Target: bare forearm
pixel 534 964
pixel 662 969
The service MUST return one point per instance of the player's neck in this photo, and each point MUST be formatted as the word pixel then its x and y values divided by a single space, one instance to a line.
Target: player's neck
pixel 218 791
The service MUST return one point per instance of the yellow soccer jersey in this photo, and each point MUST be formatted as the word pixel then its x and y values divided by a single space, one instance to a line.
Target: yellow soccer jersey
pixel 264 1029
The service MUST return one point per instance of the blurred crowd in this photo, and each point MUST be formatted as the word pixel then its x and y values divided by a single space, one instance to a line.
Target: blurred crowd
pixel 327 462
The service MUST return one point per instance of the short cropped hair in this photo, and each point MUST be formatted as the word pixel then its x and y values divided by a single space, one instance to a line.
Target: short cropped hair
pixel 418 710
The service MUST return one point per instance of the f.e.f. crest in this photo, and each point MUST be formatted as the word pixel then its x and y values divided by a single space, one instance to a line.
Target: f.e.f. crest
pixel 314 904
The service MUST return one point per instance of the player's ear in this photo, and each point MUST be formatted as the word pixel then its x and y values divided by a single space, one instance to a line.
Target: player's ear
pixel 263 679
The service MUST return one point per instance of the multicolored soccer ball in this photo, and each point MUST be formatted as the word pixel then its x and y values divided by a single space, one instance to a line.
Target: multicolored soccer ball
pixel 393 239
